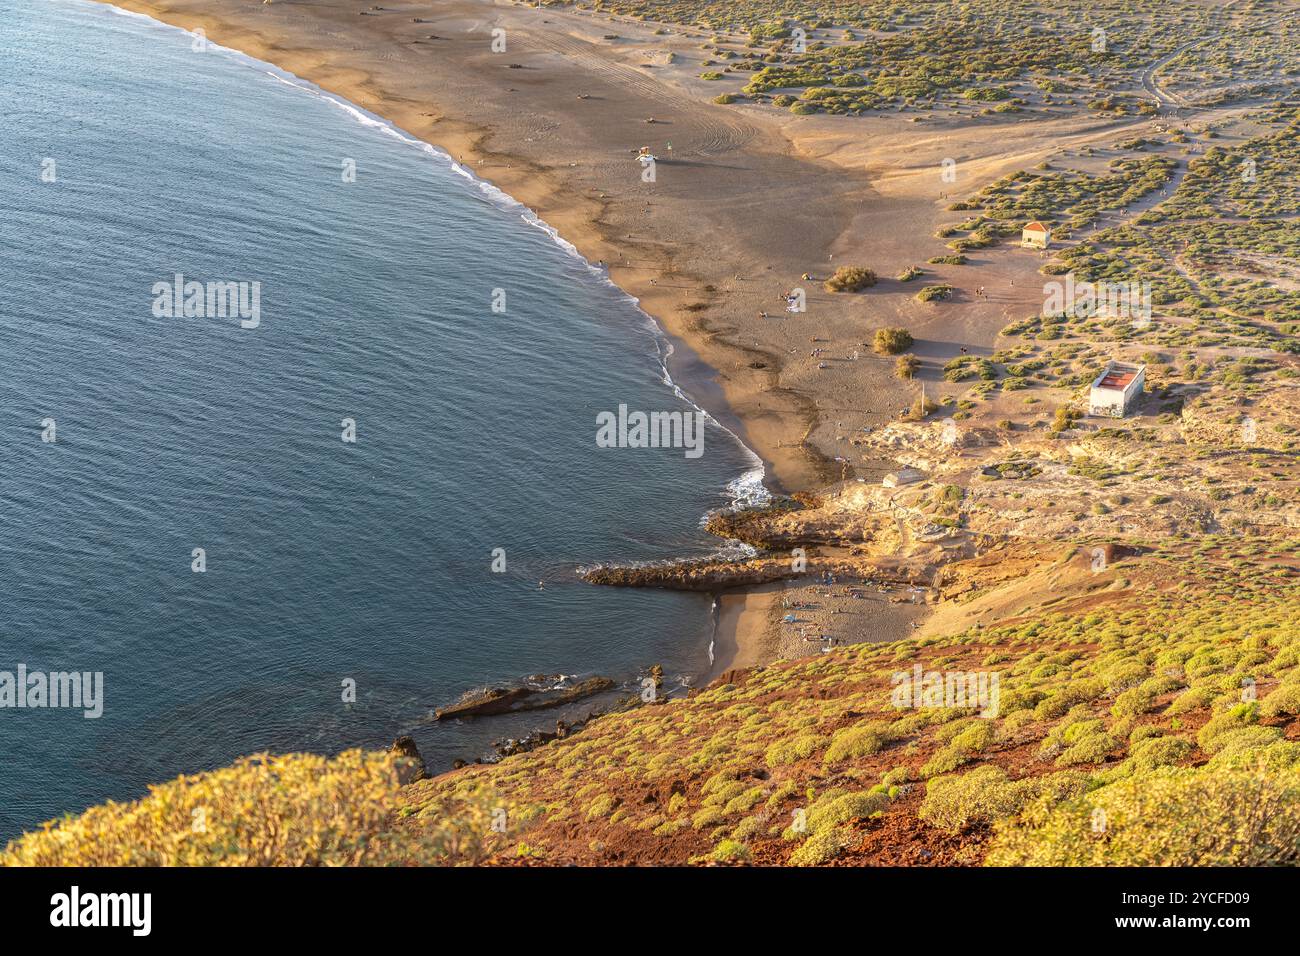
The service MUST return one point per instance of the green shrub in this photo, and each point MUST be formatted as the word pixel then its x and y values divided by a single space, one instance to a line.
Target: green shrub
pixel 891 340
pixel 906 366
pixel 850 279
pixel 1168 817
pixel 1091 748
pixel 985 794
pixel 977 737
pixel 896 776
pixel 1194 698
pixel 1124 675
pixel 1282 702
pixel 934 293
pixel 860 740
pixel 1133 702
pixel 601 807
pixel 1235 718
pixel 945 761
pixel 1243 741
pixel 730 851
pixel 831 811
pixel 1160 752
pixel 821 847
pixel 1071 694
pixel 794 749
pixel 708 817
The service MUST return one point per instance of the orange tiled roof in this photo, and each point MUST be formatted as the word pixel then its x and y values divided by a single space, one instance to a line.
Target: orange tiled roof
pixel 1118 380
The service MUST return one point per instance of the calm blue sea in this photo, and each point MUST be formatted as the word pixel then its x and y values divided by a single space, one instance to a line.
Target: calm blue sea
pixel 127 157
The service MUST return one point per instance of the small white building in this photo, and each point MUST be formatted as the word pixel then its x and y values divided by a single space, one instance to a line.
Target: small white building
pixel 1117 389
pixel 1035 235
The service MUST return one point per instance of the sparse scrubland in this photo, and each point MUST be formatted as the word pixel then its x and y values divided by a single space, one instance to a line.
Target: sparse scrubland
pixel 1219 253
pixel 986 57
pixel 1131 699
pixel 283 810
pixel 1134 584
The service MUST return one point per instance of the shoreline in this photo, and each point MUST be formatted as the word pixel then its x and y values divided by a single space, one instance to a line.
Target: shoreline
pixel 685 371
pixel 744 615
pixel 742 622
pixel 749 202
pixel 579 221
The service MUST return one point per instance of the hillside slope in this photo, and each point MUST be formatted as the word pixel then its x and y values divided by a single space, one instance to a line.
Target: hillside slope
pixel 1184 657
pixel 1127 700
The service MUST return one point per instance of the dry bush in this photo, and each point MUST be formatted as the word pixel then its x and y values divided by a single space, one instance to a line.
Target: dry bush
pixel 1243 817
pixel 891 340
pixel 850 279
pixel 289 810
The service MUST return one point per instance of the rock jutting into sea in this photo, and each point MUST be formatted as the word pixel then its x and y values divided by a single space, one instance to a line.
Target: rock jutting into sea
pixel 510 700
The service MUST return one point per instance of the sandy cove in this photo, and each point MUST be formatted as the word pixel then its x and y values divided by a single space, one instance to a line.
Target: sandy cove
pixel 747 200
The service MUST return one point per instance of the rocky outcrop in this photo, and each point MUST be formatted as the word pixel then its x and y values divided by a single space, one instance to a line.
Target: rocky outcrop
pixel 693 575
pixel 410 766
pixel 512 700
pixel 713 576
pixel 517 745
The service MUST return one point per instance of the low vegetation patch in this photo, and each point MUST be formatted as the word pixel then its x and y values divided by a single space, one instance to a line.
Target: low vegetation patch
pixel 891 340
pixel 850 279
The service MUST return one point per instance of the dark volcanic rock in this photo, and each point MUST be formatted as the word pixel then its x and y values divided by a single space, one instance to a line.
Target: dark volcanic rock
pixel 693 575
pixel 513 700
pixel 491 700
pixel 566 695
pixel 411 767
pixel 506 748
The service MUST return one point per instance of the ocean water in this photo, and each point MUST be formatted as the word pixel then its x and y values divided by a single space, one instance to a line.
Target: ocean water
pixel 126 157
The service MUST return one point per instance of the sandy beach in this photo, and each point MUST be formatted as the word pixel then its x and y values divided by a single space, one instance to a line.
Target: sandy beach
pixel 1000 302
pixel 746 201
pixel 793 619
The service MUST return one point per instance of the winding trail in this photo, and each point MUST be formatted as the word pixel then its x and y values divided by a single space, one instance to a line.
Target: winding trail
pixel 1175 100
